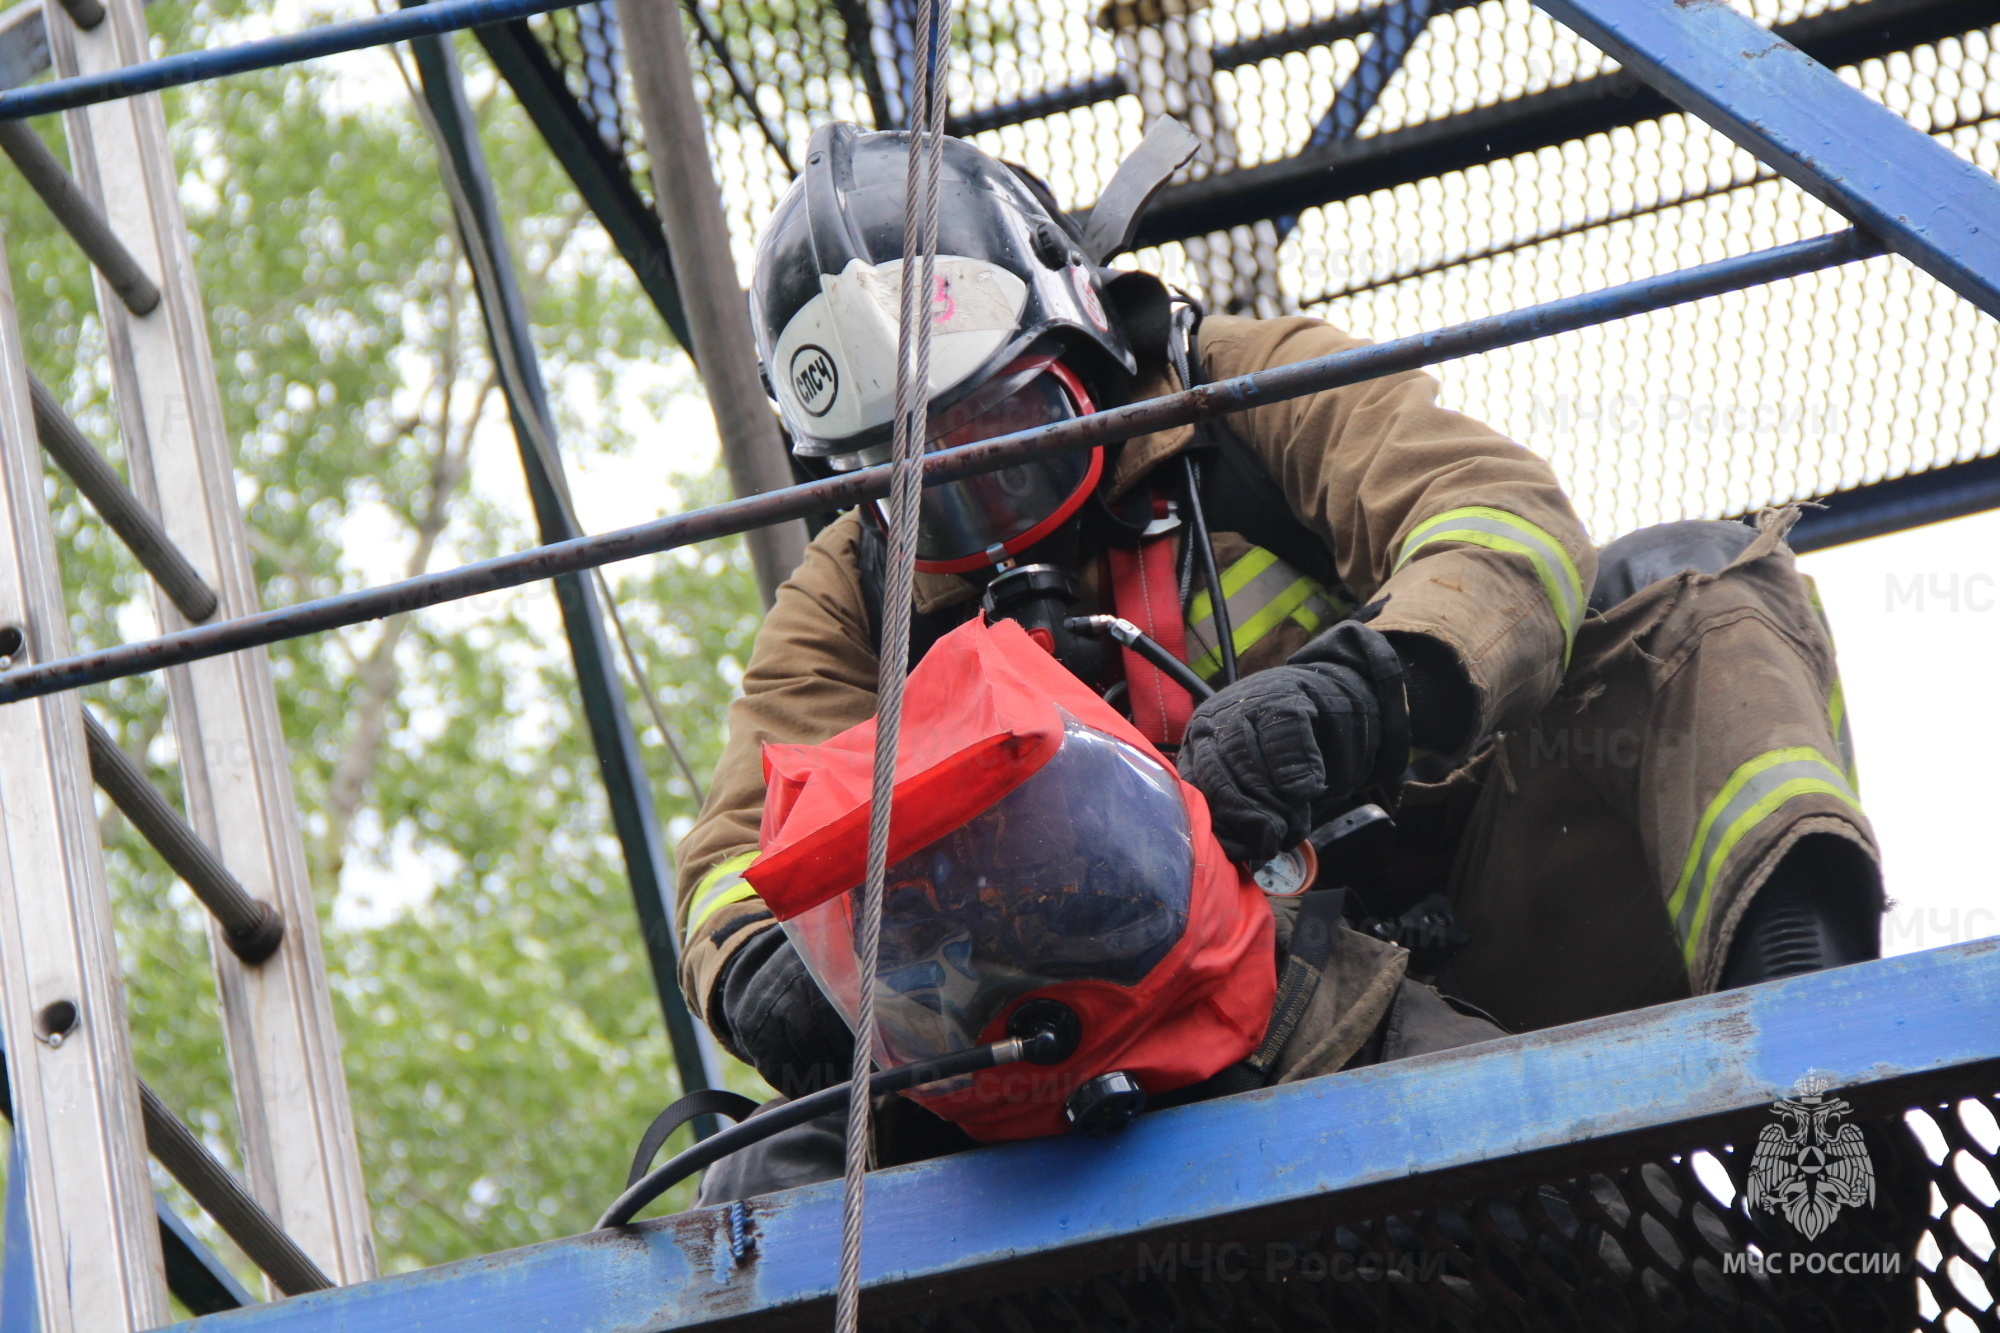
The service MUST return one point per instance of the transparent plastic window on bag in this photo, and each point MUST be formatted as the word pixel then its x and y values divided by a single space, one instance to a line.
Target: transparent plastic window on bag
pixel 1084 871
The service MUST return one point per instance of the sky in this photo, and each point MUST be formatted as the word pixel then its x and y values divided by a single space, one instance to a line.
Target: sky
pixel 1916 620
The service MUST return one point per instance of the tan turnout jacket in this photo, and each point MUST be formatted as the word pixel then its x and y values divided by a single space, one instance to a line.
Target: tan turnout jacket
pixel 1466 535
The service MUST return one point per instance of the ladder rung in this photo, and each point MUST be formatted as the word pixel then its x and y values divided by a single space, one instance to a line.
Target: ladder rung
pixel 241 1217
pixel 119 508
pixel 194 1275
pixel 77 214
pixel 254 929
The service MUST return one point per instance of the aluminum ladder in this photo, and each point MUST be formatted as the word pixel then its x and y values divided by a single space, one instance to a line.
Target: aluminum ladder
pixel 81 1128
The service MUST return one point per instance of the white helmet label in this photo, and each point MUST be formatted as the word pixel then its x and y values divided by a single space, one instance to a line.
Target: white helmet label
pixel 838 353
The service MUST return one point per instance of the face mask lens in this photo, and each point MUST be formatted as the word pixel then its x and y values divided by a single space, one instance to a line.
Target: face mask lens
pixel 1082 873
pixel 968 517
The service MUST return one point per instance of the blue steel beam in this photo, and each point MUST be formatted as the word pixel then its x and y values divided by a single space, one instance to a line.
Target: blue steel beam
pixel 1899 503
pixel 849 488
pixel 198 1280
pixel 152 76
pixel 1794 114
pixel 1307 1154
pixel 599 689
pixel 1395 33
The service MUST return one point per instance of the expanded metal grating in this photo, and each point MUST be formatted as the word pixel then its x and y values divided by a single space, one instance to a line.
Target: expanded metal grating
pixel 1665 1245
pixel 1395 168
pixel 1446 185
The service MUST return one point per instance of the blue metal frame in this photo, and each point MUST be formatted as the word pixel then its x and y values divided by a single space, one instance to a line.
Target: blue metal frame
pixel 1395 32
pixel 151 76
pixel 198 1280
pixel 18 1307
pixel 1346 1146
pixel 1899 504
pixel 1935 209
pixel 601 693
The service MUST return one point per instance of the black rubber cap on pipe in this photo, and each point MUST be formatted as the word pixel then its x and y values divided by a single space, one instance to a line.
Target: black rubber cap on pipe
pixel 87 13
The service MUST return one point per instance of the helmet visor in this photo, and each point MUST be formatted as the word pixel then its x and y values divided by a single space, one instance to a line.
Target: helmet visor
pixel 1083 872
pixel 980 515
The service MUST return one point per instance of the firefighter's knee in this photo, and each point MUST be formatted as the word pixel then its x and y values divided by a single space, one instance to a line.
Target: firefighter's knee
pixel 1640 559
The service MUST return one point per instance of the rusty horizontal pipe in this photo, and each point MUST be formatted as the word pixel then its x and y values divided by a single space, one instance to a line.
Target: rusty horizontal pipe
pixel 1275 385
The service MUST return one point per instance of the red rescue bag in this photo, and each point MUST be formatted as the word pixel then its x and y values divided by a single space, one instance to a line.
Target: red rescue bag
pixel 1039 847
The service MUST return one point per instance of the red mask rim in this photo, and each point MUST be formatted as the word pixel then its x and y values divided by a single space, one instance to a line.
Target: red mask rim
pixel 1062 513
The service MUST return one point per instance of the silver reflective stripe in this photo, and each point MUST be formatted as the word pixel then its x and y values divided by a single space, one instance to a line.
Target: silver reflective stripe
pixel 722 885
pixel 1754 792
pixel 1843 734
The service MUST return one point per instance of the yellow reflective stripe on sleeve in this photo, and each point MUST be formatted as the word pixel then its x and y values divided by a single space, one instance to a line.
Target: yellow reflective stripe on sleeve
pixel 1307 615
pixel 722 885
pixel 1498 530
pixel 1755 790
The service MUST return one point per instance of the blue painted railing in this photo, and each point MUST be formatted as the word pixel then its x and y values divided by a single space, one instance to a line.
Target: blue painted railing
pixel 1348 1145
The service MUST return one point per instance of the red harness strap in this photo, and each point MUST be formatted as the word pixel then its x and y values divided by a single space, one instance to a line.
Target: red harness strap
pixel 1146 591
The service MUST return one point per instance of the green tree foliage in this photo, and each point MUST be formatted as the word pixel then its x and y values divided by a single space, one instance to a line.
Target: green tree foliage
pixel 502 1039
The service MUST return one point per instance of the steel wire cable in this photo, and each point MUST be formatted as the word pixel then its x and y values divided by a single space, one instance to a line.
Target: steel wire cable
pixel 925 162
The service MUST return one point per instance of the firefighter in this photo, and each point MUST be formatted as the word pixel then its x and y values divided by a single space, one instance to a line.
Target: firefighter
pixel 1617 777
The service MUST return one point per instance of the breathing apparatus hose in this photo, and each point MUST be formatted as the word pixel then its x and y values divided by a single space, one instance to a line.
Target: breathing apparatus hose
pixel 1037 1047
pixel 1148 647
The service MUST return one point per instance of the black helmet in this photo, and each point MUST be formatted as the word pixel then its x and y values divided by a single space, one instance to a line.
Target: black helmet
pixel 1023 332
pixel 825 295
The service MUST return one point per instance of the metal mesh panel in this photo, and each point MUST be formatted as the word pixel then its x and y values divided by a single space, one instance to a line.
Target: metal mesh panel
pixel 764 75
pixel 1654 1245
pixel 1814 385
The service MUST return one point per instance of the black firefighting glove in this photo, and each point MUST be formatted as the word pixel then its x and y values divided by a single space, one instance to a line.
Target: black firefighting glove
pixel 1279 751
pixel 768 1010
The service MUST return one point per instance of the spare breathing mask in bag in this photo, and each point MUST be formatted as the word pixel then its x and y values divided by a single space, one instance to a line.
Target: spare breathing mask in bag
pixel 1041 853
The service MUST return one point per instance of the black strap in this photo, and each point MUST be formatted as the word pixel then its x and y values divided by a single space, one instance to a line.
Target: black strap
pixel 1313 932
pixel 1237 494
pixel 709 1101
